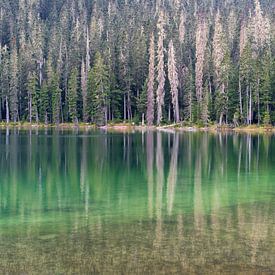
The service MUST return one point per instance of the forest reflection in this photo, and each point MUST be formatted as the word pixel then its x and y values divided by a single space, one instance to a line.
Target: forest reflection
pixel 196 194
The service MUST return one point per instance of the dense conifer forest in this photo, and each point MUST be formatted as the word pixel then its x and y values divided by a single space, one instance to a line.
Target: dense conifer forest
pixel 158 61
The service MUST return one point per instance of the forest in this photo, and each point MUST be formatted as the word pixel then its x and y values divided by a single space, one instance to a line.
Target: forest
pixel 154 62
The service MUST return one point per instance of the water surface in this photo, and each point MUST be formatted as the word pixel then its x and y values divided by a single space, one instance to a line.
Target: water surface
pixel 145 202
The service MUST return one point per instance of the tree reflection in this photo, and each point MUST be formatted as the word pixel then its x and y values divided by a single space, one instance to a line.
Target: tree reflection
pixel 150 171
pixel 173 172
pixel 159 187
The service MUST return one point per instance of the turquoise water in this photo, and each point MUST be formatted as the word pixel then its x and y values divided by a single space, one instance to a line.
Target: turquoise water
pixel 141 202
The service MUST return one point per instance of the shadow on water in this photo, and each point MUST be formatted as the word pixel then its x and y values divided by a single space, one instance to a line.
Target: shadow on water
pixel 149 202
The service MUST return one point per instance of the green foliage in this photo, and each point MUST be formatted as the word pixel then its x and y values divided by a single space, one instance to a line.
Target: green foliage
pixel 99 90
pixel 44 107
pixel 56 98
pixel 72 96
pixel 266 118
pixel 33 97
pixel 141 103
pixel 116 99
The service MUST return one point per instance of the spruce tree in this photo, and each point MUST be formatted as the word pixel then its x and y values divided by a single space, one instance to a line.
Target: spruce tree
pixel 72 96
pixel 44 107
pixel 56 98
pixel 14 86
pixel 174 81
pixel 99 90
pixel 160 68
pixel 150 84
pixel 33 93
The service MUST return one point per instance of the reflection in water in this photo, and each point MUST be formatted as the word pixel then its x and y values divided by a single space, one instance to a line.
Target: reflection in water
pixel 173 172
pixel 150 171
pixel 198 200
pixel 100 197
pixel 159 183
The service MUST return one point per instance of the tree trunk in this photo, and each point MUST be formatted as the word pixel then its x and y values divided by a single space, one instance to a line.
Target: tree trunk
pixel 40 73
pixel 129 111
pixel 240 98
pixel 247 105
pixel 30 109
pixel 124 107
pixel 258 95
pixel 250 105
pixel 46 118
pixel 177 113
pixel 221 118
pixel 7 111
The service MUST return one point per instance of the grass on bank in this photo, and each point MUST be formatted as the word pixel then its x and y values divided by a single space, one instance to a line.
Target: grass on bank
pixel 131 125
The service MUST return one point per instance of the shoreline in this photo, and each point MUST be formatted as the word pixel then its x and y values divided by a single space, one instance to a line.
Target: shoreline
pixel 129 127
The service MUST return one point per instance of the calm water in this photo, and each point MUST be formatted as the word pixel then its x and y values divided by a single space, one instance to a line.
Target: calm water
pixel 120 203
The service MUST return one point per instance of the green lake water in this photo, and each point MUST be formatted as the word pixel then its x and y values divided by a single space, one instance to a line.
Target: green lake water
pixel 84 202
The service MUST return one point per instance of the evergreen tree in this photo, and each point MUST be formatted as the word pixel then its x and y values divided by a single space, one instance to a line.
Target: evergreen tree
pixel 14 86
pixel 141 103
pixel 201 42
pixel 160 68
pixel 72 96
pixel 84 83
pixel 219 52
pixel 174 81
pixel 33 92
pixel 5 82
pixel 99 90
pixel 246 75
pixel 150 84
pixel 44 103
pixel 56 98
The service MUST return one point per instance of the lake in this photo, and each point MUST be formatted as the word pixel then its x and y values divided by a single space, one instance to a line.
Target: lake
pixel 143 202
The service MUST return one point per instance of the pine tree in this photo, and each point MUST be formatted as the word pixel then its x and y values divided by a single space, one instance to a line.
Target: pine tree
pixel 141 102
pixel 188 93
pixel 44 107
pixel 72 96
pixel 242 44
pixel 201 42
pixel 265 85
pixel 5 82
pixel 174 81
pixel 182 29
pixel 33 92
pixel 150 84
pixel 14 86
pixel 99 90
pixel 246 76
pixel 221 61
pixel 160 68
pixel 84 80
pixel 56 98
